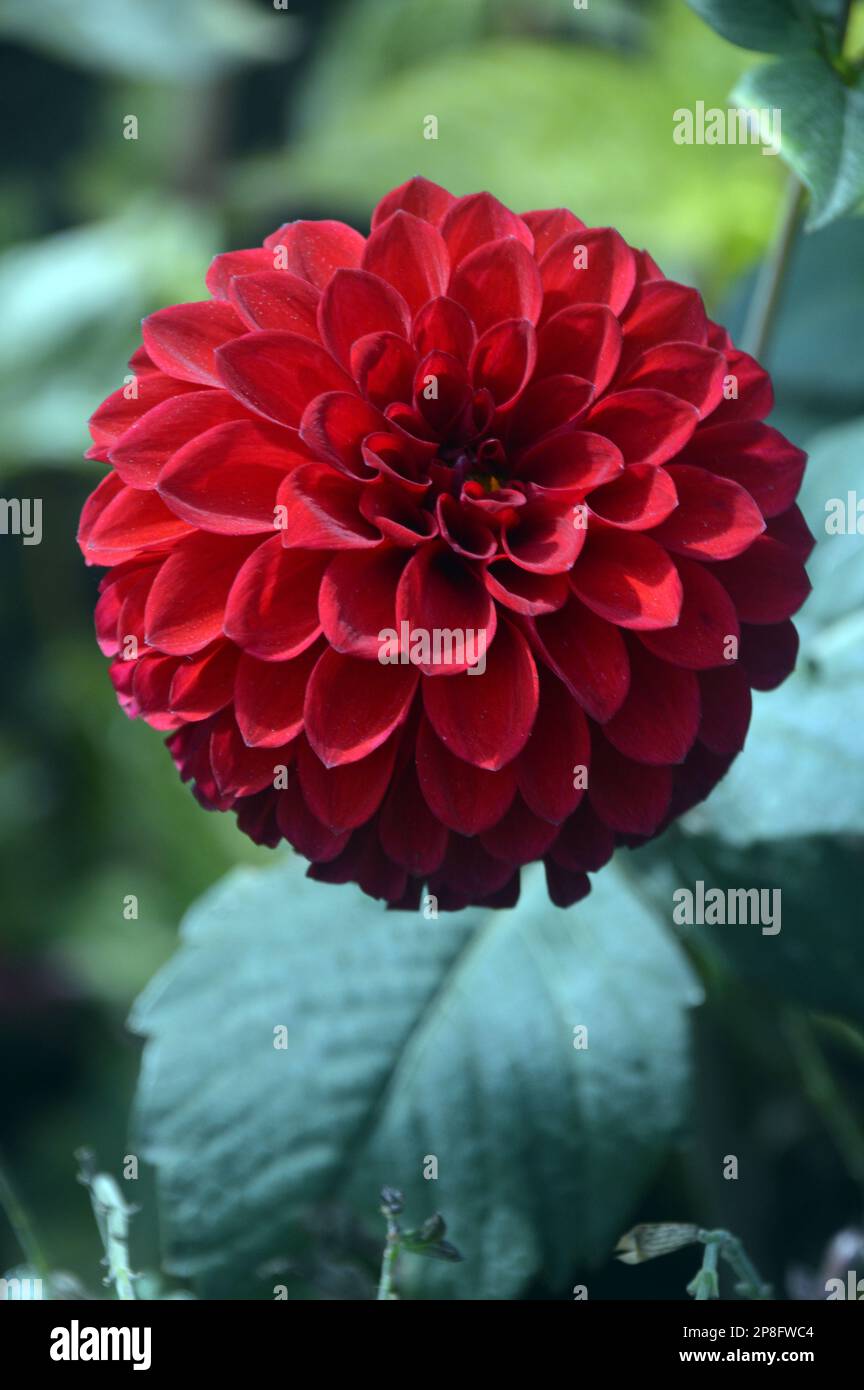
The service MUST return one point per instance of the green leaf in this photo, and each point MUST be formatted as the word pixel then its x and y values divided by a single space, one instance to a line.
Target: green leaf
pixel 409 1038
pixel 802 769
pixel 822 129
pixel 814 958
pixel 768 26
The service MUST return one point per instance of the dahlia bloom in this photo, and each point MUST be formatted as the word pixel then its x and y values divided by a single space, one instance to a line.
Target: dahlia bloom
pixel 467 422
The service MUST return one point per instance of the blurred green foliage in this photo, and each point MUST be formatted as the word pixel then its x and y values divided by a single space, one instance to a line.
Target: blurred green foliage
pixel 249 115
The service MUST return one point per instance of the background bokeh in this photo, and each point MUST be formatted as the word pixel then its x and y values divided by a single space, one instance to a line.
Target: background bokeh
pixel 249 116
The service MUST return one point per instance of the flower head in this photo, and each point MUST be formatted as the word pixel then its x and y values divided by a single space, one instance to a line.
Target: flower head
pixel 445 549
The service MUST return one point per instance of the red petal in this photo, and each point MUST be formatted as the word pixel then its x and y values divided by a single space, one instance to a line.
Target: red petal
pixel 504 358
pixel 520 836
pixel 151 686
pixel 241 771
pixel 755 394
pixel 356 303
pixel 409 254
pixel 715 518
pixel 443 326
pixel 334 426
pixel 128 403
pixel 708 619
pixel 768 654
pixel 468 875
pixel 642 497
pixel 543 541
pixel 479 218
pixel 227 479
pixel 658 721
pixel 583 340
pixel 589 656
pixel 322 511
pixel 547 406
pixel 352 706
pixel 383 365
pixel 272 608
pixel 548 768
pixel 346 796
pixel 186 605
pixel 410 833
pixel 276 299
pixel 277 374
pixel 629 579
pixel 446 409
pixel 268 698
pixel 584 842
pixel 143 449
pixel 648 426
pixel 357 599
pixel 524 592
pixel 224 268
pixel 182 340
pixel 571 461
pixel 463 530
pixel 631 798
pixel 486 719
pixel 419 196
pixel 498 281
pixel 549 225
pixel 465 798
pixel 663 311
pixel 686 370
pixel 767 583
pixel 131 522
pixel 607 277
pixel 315 250
pixel 396 515
pixel 564 888
pixel 726 709
pixel 439 595
pixel 756 456
pixel 205 684
pixel 305 831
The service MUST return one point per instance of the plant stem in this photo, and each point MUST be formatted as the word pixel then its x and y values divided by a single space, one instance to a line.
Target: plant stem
pixel 767 293
pixel 112 1218
pixel 825 1095
pixel 704 1285
pixel 386 1284
pixel 727 1247
pixel 22 1226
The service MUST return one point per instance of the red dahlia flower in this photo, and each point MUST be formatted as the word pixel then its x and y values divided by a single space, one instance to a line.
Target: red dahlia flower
pixel 468 422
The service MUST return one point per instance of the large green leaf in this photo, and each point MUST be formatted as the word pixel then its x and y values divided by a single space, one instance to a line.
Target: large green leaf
pixel 822 128
pixel 815 956
pixel 407 1038
pixel 802 770
pixel 769 26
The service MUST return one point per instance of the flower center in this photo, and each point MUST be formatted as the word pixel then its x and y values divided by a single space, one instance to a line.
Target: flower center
pixel 481 464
